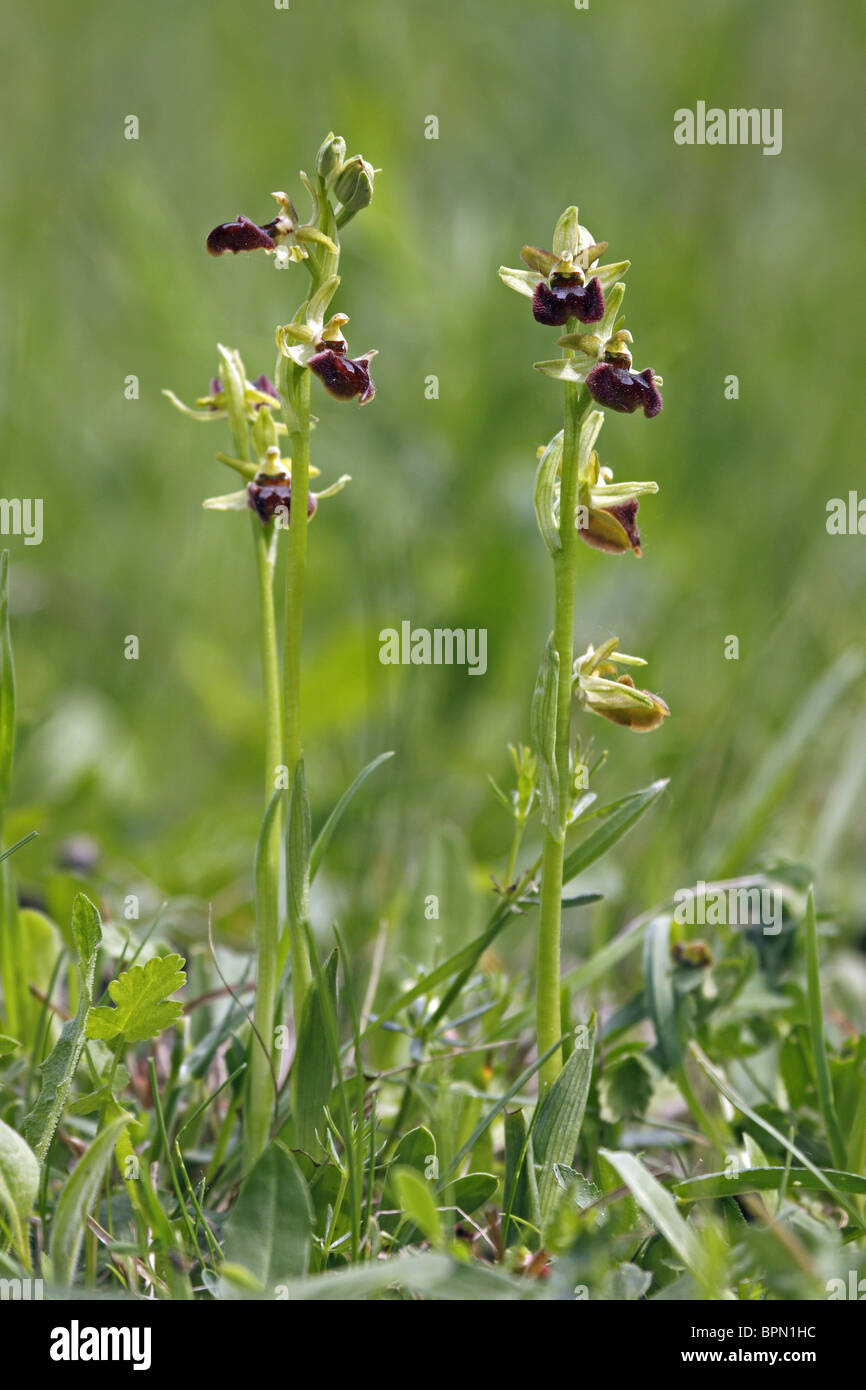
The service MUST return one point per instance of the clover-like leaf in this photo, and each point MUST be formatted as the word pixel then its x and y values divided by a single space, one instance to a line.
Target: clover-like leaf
pixel 143 1008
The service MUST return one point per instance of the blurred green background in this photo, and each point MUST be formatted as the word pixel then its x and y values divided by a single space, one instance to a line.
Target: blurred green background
pixel 741 264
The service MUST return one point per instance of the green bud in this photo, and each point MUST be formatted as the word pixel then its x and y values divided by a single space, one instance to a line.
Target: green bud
pixel 329 160
pixel 353 185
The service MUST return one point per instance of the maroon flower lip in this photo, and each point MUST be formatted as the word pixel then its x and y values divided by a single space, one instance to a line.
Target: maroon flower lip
pixel 606 538
pixel 240 235
pixel 621 389
pixel 554 304
pixel 343 377
pixel 267 495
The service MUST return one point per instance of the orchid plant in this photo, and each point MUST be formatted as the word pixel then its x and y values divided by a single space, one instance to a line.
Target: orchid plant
pixel 261 415
pixel 577 499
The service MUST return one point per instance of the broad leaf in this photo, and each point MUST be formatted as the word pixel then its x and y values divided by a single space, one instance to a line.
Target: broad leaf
pixel 415 1198
pixel 560 1116
pixel 19 1183
pixel 269 1228
pixel 142 1007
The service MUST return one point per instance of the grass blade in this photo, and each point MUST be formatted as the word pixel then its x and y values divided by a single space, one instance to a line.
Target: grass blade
pixel 773 1179
pixel 660 994
pixel 658 1204
pixel 745 1109
pixel 816 1029
pixel 80 1193
pixel 323 839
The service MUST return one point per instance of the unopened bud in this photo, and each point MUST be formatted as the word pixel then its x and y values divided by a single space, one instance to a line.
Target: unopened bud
pixel 353 185
pixel 331 156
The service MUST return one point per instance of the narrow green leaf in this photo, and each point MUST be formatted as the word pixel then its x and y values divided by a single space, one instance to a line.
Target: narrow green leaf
pixel 816 1029
pixel 19 1183
pixel 269 1229
pixel 658 1204
pixel 19 844
pixel 415 1199
pixel 313 1066
pixel 80 1194
pixel 774 1179
pixel 58 1070
pixel 323 839
pixel 557 1126
pixel 611 830
pixel 660 995
pixel 521 1181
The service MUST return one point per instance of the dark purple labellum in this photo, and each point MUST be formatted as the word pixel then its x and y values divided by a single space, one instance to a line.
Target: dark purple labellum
pixel 612 529
pixel 626 514
pixel 240 235
pixel 554 305
pixel 343 377
pixel 216 387
pixel 267 496
pixel 624 390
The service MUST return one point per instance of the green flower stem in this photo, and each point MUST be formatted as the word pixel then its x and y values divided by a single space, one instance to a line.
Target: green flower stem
pixel 565 581
pixel 296 572
pixel 261 1082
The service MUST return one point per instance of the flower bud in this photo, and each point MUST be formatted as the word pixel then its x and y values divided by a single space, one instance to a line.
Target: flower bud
pixel 268 495
pixel 331 156
pixel 353 185
pixel 623 390
pixel 695 954
pixel 239 235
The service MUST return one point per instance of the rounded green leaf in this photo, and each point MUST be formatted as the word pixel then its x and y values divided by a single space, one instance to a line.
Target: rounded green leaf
pixel 19 1183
